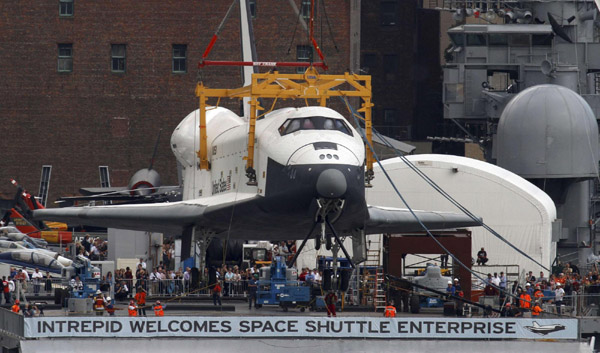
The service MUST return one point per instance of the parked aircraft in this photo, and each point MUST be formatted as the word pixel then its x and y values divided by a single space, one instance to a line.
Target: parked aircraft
pixel 20 249
pixel 19 212
pixel 144 187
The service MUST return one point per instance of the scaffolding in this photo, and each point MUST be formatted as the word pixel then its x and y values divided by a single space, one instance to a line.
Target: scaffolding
pixel 273 85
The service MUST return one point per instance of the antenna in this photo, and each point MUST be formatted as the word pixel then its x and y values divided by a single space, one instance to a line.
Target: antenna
pixel 558 29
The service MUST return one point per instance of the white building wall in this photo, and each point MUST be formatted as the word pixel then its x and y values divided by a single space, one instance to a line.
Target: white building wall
pixel 513 207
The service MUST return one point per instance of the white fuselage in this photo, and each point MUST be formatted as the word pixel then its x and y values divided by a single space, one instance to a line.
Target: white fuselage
pixel 228 147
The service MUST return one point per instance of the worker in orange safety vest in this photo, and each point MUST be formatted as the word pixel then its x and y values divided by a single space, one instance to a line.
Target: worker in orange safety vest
pixel 536 310
pixel 140 298
pixel 16 308
pixel 132 308
pixel 390 310
pixel 524 300
pixel 158 309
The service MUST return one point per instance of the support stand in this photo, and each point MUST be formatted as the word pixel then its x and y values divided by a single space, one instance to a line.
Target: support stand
pixel 291 263
pixel 339 242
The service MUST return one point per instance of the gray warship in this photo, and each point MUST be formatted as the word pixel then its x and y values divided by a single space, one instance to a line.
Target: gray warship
pixel 522 79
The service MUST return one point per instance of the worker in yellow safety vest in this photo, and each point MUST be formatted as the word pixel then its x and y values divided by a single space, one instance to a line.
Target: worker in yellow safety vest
pixel 390 310
pixel 158 309
pixel 99 303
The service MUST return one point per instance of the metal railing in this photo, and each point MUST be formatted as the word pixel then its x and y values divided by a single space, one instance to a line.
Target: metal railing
pixel 11 324
pixel 167 287
pixel 181 287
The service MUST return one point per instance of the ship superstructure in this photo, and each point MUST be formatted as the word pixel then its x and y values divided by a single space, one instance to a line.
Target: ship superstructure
pixel 501 50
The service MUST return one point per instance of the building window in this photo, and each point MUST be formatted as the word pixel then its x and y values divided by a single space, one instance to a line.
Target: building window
pixel 65 8
pixel 542 40
pixel 252 6
pixel 389 14
pixel 44 184
pixel 389 116
pixel 65 57
pixel 179 62
pixel 104 176
pixel 518 40
pixel 390 66
pixel 305 9
pixel 369 62
pixel 117 58
pixel 476 40
pixel 304 53
pixel 454 93
pixel 498 39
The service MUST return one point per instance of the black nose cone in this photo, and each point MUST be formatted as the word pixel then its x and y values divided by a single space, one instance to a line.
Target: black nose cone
pixel 331 184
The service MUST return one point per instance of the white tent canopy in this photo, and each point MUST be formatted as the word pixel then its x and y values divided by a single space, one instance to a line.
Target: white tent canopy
pixel 512 206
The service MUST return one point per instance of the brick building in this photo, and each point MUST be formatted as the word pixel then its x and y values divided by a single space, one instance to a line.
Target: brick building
pixel 86 84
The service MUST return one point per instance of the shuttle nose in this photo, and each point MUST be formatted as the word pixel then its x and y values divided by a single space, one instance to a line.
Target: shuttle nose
pixel 331 184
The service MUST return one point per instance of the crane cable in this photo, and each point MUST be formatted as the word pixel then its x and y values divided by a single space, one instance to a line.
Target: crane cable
pixel 456 203
pixel 451 199
pixel 354 115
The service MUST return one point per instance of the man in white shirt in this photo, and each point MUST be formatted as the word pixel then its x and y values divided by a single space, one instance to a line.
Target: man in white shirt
pixel 228 279
pixel 141 263
pixel 94 252
pixel 76 283
pixel 559 294
pixel 503 281
pixel 317 276
pixel 187 276
pixel 496 280
pixel 24 279
pixel 154 278
pixel 37 277
pixel 11 288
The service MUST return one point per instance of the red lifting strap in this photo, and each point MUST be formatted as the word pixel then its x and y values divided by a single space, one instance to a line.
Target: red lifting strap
pixel 260 63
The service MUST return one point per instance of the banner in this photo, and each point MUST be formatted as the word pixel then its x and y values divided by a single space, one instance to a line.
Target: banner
pixel 286 326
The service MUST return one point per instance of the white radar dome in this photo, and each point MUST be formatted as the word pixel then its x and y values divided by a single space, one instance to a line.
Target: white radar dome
pixel 548 131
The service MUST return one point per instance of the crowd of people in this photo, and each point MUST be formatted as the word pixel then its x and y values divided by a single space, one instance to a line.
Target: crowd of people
pixel 530 294
pixel 94 249
pixel 14 286
pixel 157 281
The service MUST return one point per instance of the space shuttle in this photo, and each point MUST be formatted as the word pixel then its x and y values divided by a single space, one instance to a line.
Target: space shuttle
pixel 310 167
pixel 308 170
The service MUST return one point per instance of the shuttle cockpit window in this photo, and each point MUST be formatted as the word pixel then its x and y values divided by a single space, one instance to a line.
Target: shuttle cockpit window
pixel 314 123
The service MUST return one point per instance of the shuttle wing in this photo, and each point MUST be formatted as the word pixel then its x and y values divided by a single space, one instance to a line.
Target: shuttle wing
pixel 398 220
pixel 96 191
pixel 170 217
pixel 238 216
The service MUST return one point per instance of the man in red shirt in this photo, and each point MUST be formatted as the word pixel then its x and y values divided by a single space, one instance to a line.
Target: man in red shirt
pixel 6 290
pixel 330 300
pixel 216 293
pixel 302 276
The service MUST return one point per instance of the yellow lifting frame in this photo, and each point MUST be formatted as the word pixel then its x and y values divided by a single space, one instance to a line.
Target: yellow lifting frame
pixel 274 85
